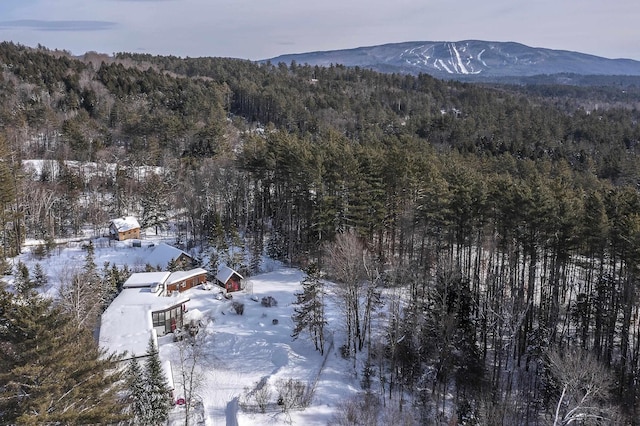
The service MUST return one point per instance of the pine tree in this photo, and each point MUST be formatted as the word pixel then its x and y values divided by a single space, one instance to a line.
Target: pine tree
pixel 40 278
pixel 216 233
pixel 11 236
pixel 138 395
pixel 23 284
pixel 90 262
pixel 173 266
pixel 157 389
pixel 154 201
pixel 51 371
pixel 309 313
pixel 109 283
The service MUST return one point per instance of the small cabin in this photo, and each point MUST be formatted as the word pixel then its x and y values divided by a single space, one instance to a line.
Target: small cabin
pixel 125 228
pixel 229 279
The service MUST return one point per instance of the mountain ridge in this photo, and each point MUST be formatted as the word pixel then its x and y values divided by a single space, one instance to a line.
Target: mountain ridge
pixel 466 59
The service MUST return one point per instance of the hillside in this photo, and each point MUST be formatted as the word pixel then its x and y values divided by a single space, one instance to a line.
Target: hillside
pixel 468 60
pixel 484 238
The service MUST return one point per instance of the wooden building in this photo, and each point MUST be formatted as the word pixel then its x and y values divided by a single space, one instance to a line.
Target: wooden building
pixel 124 228
pixel 184 280
pixel 229 279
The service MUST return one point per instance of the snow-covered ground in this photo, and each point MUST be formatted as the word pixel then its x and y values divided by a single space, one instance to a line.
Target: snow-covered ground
pixel 240 350
pixel 243 350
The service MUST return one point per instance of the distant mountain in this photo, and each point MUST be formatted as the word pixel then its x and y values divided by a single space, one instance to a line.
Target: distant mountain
pixel 467 60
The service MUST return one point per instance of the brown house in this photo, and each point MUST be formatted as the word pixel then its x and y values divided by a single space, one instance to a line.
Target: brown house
pixel 183 280
pixel 229 279
pixel 124 228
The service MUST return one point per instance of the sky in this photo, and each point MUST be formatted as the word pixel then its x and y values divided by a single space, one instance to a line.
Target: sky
pixel 262 29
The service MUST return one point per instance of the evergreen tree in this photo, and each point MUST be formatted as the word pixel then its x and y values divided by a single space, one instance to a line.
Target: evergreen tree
pixel 23 284
pixel 138 395
pixel 157 389
pixel 309 311
pixel 51 371
pixel 215 232
pixel 110 281
pixel 40 278
pixel 173 265
pixel 214 262
pixel 154 201
pixel 11 235
pixel 90 262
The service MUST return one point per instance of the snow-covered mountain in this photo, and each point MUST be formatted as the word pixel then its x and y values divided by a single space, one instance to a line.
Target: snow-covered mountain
pixel 468 59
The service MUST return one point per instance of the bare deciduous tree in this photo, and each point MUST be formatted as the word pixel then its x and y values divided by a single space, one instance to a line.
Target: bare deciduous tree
pixel 192 357
pixel 262 396
pixel 584 385
pixel 79 297
pixel 349 263
pixel 357 410
pixel 292 393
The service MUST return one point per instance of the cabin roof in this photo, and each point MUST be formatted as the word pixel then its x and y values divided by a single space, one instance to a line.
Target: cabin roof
pixel 224 273
pixel 183 275
pixel 163 253
pixel 125 224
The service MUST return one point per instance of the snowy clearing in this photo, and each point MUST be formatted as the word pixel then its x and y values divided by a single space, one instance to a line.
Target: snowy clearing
pixel 240 351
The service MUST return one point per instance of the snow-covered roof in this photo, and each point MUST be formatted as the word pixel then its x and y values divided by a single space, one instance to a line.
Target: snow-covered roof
pixel 163 253
pixel 146 279
pixel 124 224
pixel 183 275
pixel 127 325
pixel 224 273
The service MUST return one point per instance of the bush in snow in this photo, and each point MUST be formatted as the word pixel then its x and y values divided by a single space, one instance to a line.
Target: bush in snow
pixel 269 301
pixel 258 399
pixel 293 393
pixel 238 307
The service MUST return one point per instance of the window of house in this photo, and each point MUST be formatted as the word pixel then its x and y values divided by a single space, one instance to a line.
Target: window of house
pixel 158 318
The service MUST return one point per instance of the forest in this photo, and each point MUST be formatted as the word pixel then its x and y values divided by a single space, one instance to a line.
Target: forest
pixel 504 219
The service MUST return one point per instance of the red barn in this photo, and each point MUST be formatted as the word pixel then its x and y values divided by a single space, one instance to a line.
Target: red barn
pixel 229 279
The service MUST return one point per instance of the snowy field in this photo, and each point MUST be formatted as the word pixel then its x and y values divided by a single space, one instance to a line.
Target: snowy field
pixel 243 350
pixel 240 351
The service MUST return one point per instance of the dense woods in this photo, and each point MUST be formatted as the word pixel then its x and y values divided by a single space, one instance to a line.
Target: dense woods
pixel 501 224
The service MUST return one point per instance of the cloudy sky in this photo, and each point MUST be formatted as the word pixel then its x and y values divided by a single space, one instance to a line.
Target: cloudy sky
pixel 261 29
